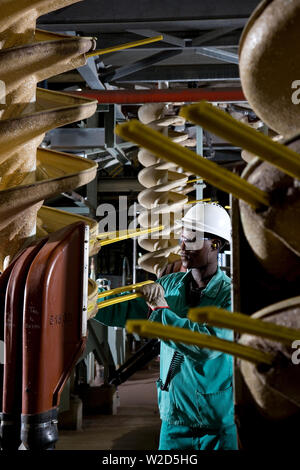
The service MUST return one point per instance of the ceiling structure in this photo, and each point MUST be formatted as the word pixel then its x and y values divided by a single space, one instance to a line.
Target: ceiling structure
pixel 199 50
pixel 200 41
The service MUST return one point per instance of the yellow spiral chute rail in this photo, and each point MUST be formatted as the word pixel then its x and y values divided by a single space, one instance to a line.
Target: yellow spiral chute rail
pixel 114 233
pixel 163 147
pixel 194 201
pixel 208 199
pixel 90 309
pixel 122 298
pixel 125 234
pixel 118 300
pixel 127 45
pixel 195 180
pixel 243 324
pixel 51 219
pixel 148 329
pixel 222 124
pixel 118 290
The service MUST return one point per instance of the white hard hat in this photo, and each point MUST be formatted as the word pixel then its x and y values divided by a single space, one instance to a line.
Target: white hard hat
pixel 208 217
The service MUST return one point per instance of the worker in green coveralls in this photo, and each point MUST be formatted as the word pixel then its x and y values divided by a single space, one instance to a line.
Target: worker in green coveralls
pixel 195 392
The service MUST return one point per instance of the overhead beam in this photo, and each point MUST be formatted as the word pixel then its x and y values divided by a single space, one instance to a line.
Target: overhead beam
pixel 217 37
pixel 138 65
pixel 165 95
pixel 185 73
pixel 118 26
pixel 147 15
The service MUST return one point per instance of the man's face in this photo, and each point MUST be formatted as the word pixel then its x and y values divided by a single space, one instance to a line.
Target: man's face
pixel 196 251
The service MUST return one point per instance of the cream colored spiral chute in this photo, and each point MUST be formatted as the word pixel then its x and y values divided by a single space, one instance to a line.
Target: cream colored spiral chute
pixel 165 193
pixel 269 63
pixel 29 174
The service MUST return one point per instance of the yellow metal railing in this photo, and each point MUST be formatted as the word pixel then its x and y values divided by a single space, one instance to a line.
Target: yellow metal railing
pixel 106 238
pixel 222 124
pixel 194 201
pixel 243 324
pixel 127 45
pixel 122 298
pixel 164 148
pixel 149 329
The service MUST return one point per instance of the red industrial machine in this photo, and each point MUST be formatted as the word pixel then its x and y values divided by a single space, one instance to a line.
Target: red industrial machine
pixel 13 316
pixel 45 305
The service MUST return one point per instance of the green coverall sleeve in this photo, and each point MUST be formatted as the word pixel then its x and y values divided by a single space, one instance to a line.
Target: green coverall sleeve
pixel 170 318
pixel 118 314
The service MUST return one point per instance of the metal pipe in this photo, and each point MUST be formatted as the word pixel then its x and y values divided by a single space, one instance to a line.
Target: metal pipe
pixel 164 95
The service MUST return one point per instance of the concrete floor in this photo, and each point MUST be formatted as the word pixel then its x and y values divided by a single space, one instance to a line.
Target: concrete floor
pixel 135 426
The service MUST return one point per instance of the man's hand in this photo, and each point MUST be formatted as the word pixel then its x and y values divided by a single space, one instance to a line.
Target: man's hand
pixel 154 295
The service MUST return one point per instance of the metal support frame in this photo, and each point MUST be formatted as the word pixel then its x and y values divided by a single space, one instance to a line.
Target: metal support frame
pixel 120 185
pixel 122 72
pixel 95 15
pixel 94 26
pixel 200 185
pixel 79 200
pixel 109 124
pixel 98 344
pixel 75 210
pixel 211 35
pixel 134 251
pixel 76 138
pixel 208 138
pixel 188 40
pixel 91 194
pixel 188 43
pixel 90 74
pixel 219 54
pixel 110 137
pixel 185 73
